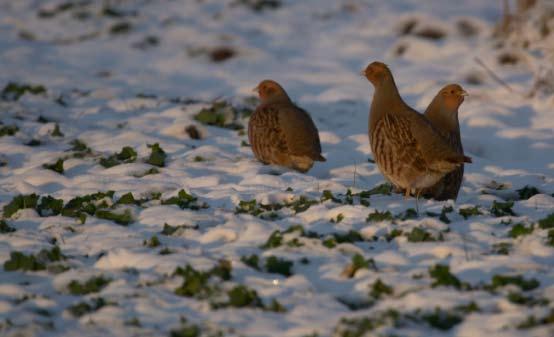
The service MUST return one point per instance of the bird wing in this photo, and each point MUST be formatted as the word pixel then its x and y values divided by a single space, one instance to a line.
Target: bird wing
pixel 434 147
pixel 265 134
pixel 300 132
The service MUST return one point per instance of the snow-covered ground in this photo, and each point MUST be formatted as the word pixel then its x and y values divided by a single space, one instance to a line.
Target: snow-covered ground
pixel 136 73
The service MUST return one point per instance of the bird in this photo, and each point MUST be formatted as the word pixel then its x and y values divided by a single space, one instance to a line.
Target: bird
pixel 407 148
pixel 442 112
pixel 282 133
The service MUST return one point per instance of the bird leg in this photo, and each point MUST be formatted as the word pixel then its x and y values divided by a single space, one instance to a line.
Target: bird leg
pixel 407 193
pixel 417 193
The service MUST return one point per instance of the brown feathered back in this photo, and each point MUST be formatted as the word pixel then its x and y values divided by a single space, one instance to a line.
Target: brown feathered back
pixel 282 133
pixel 407 149
pixel 442 112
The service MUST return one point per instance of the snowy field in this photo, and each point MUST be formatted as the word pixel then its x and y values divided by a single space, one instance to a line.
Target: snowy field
pixel 133 206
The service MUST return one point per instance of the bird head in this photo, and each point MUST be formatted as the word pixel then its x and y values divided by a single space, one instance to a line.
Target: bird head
pixel 453 95
pixel 376 72
pixel 269 90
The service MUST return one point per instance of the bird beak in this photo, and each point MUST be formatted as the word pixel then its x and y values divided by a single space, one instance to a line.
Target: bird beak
pixel 362 73
pixel 256 89
pixel 464 93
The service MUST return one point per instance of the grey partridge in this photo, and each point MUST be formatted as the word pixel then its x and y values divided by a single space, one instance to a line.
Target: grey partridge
pixel 443 114
pixel 280 132
pixel 408 150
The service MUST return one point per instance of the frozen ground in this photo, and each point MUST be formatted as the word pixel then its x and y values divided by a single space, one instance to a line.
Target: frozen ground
pixel 137 72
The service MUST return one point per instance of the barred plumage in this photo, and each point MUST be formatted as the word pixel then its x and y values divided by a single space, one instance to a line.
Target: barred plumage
pixel 408 150
pixel 281 133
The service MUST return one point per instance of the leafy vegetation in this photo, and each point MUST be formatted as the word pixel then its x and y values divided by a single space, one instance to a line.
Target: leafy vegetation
pixel 13 91
pixel 5 227
pixel 443 277
pixel 157 155
pixel 83 308
pixel 20 202
pixel 184 200
pixel 520 230
pixel 8 130
pixel 31 262
pixel 469 211
pixel 358 262
pixel 379 290
pixel 277 265
pixel 126 155
pixel 527 192
pixel 499 209
pixel 547 222
pixel 379 216
pixel 418 234
pixel 56 167
pixel 92 285
pixel 517 280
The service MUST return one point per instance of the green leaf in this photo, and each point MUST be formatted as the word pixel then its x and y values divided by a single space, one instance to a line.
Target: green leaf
pixel 20 202
pixel 499 209
pixel 157 155
pixel 121 219
pixel 5 228
pixel 547 222
pixel 527 192
pixel 277 265
pixel 520 230
pixel 49 206
pixel 92 285
pixel 379 216
pixel 443 277
pixel 56 167
pixel 13 91
pixel 518 280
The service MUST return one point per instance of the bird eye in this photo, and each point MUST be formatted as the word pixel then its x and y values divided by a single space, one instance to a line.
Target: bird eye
pixel 452 91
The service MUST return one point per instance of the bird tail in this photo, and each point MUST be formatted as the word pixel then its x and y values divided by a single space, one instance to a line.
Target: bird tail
pixel 467 159
pixel 319 157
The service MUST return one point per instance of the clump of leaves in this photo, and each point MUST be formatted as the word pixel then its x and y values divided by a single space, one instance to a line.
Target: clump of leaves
pixel 379 216
pixel 550 237
pixel 358 262
pixel 277 265
pixel 5 227
pixel 259 5
pixel 120 28
pixel 80 206
pixel 379 289
pixel 410 213
pixel 20 202
pixel 520 230
pixel 185 330
pixel 338 219
pixel 57 132
pixel 83 308
pixel 49 206
pixel 170 230
pixel 56 167
pixel 384 189
pixel 195 283
pixel 8 130
pixel 520 299
pixel 92 285
pixel 126 155
pixel 527 192
pixel 469 211
pixel 221 114
pixel 301 204
pixel 443 277
pixel 547 222
pixel 157 155
pixel 253 261
pixel 517 280
pixel 127 199
pixel 20 261
pixel 362 326
pixel 80 149
pixel 421 235
pixel 152 242
pixel 502 248
pixel 442 319
pixel 328 195
pixel 124 218
pixel 13 91
pixel 499 209
pixel 184 200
